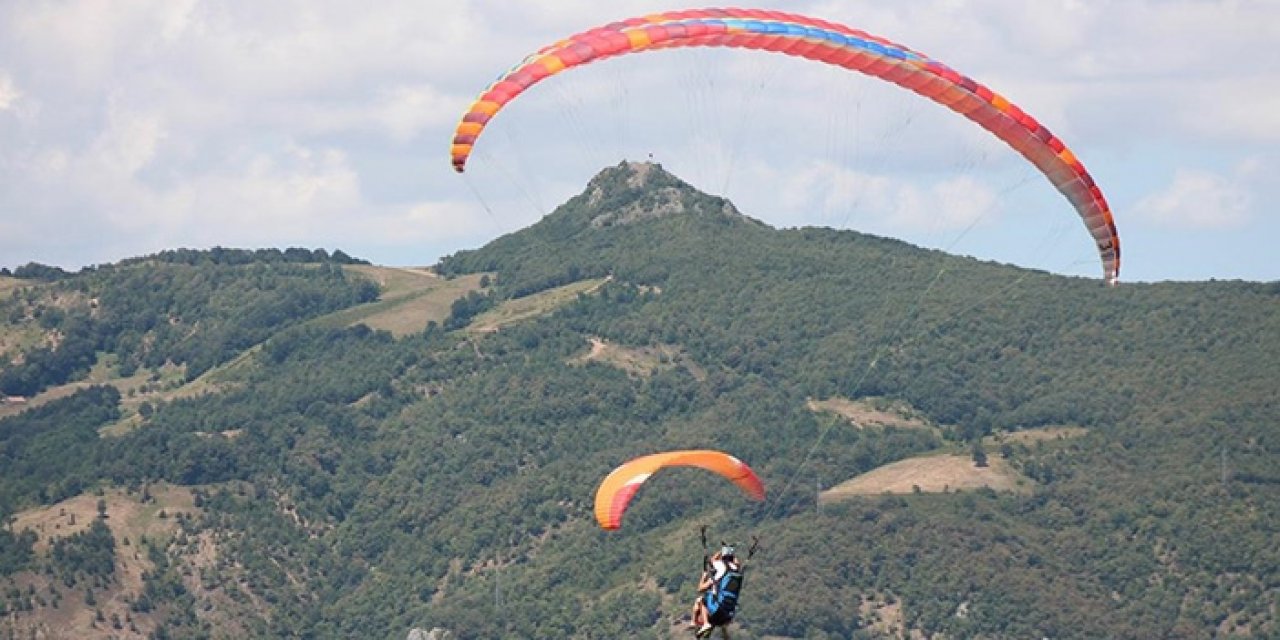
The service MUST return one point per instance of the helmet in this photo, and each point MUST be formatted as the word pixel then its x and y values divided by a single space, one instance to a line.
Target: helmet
pixel 726 551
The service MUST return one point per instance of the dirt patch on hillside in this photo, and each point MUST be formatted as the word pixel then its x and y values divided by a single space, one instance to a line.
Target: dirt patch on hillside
pixel 884 616
pixel 871 412
pixel 931 474
pixel 640 361
pixel 130 518
pixel 1041 434
pixel 45 397
pixel 394 280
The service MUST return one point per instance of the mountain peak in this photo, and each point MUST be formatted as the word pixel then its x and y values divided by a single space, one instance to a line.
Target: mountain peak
pixel 634 174
pixel 631 192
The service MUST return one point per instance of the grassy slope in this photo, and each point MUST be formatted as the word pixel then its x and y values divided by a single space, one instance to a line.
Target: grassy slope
pixel 8 284
pixel 410 299
pixel 16 338
pixel 931 474
pixel 532 306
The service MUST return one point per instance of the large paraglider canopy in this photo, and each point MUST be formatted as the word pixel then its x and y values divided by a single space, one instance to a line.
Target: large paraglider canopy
pixel 621 484
pixel 826 42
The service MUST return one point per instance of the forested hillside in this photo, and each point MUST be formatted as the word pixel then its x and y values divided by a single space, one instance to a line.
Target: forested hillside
pixel 337 481
pixel 193 309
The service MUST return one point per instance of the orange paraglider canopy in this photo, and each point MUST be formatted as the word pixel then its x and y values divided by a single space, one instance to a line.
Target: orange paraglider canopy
pixel 621 484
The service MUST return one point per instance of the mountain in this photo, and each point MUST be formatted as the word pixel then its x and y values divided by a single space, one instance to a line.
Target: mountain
pixel 303 474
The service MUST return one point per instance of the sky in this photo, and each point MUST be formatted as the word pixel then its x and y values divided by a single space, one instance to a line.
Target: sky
pixel 133 126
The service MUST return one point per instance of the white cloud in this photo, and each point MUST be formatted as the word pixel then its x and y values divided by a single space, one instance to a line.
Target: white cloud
pixel 127 144
pixel 9 93
pixel 145 122
pixel 296 192
pixel 1244 107
pixel 434 221
pixel 406 111
pixel 1198 199
pixel 828 194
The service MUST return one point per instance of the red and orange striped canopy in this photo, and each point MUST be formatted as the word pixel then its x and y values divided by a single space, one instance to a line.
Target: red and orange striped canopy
pixel 821 41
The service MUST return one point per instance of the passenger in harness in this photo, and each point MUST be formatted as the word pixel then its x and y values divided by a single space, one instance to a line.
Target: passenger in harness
pixel 717 593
